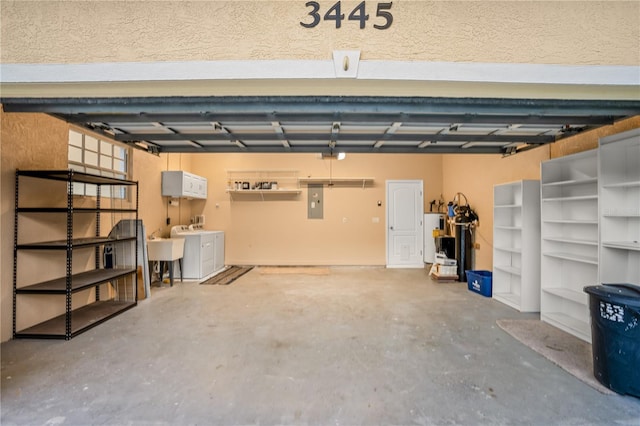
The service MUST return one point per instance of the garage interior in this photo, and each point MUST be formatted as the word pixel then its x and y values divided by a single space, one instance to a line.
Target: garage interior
pixel 358 345
pixel 325 328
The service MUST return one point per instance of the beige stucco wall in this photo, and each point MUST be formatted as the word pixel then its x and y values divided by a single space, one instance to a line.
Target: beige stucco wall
pixel 550 32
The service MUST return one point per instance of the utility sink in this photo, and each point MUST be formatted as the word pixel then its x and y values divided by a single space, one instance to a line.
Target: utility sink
pixel 165 249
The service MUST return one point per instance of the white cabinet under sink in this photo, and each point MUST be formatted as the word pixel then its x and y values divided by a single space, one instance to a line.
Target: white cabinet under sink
pixel 203 253
pixel 180 184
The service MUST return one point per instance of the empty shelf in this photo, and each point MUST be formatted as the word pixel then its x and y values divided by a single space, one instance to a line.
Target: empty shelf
pixel 82 319
pixel 78 281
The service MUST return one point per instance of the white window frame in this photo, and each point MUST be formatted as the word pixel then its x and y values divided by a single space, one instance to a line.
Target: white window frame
pixel 100 156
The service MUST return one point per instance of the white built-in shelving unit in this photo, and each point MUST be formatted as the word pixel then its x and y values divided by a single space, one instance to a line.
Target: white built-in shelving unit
pixel 569 242
pixel 516 244
pixel 619 192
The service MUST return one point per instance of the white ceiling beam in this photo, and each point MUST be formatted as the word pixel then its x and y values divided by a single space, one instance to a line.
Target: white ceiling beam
pixel 277 127
pixel 391 130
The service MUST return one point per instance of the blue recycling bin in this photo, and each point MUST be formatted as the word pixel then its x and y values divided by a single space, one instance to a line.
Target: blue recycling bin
pixel 615 336
pixel 480 282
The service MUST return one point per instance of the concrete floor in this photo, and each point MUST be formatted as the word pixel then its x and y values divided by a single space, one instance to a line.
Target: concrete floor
pixel 360 346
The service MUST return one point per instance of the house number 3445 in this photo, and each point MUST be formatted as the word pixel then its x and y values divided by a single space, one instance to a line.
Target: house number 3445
pixel 383 17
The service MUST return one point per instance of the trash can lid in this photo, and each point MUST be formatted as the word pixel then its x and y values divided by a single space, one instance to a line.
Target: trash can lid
pixel 628 294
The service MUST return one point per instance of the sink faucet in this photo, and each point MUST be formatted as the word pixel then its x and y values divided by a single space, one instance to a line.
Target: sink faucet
pixel 153 234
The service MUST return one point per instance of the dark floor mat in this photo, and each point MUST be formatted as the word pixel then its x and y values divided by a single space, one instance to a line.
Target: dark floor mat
pixel 228 276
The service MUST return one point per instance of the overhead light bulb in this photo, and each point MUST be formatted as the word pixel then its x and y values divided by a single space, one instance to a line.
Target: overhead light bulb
pixel 342 156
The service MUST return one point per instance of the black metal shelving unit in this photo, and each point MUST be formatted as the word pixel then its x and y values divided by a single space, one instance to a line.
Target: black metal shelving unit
pixel 74 321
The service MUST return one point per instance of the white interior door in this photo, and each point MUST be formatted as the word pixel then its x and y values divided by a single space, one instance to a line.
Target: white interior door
pixel 404 224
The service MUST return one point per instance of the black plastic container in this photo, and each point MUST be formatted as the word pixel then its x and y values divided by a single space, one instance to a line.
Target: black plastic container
pixel 446 245
pixel 615 335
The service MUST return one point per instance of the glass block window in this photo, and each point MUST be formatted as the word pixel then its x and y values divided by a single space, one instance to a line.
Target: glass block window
pixel 100 157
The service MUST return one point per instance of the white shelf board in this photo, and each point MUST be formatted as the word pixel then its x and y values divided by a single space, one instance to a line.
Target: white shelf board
pixel 264 191
pixel 571 182
pixel 508 269
pixel 571 221
pixel 569 324
pixel 510 299
pixel 516 250
pixel 581 298
pixel 573 198
pixel 344 181
pixel 508 228
pixel 507 206
pixel 629 184
pixel 573 257
pixel 571 241
pixel 624 245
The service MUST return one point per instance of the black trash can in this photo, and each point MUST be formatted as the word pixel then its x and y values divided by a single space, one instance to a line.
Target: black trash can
pixel 615 336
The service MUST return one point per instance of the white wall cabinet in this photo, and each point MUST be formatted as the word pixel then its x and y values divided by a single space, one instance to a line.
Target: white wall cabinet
pixel 181 184
pixel 516 245
pixel 619 191
pixel 569 243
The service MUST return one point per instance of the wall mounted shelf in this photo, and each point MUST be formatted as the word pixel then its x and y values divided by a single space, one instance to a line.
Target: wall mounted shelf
pixel 338 181
pixel 264 193
pixel 249 183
